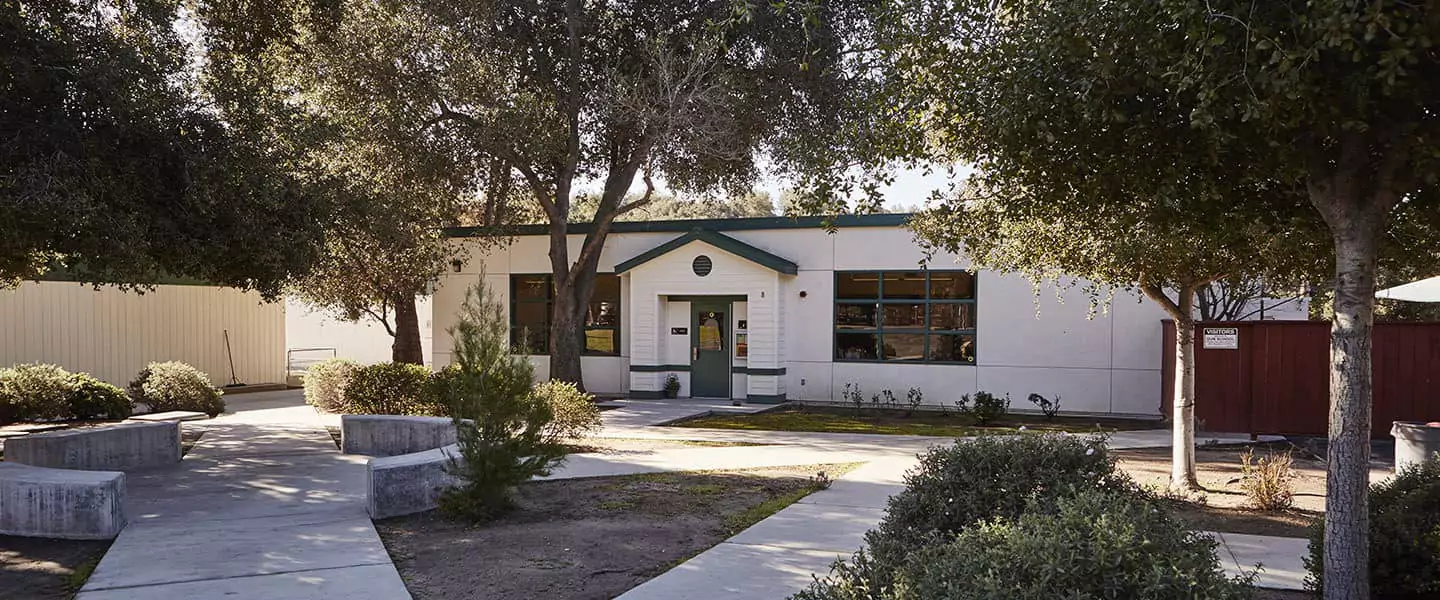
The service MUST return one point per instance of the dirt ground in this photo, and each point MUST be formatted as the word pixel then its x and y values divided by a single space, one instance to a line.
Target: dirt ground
pixel 587 538
pixel 44 569
pixel 1225 507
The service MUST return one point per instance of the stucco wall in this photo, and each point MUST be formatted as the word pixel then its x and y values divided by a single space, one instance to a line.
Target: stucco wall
pixel 1101 361
pixel 112 334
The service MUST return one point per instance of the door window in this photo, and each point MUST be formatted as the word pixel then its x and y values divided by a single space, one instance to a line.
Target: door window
pixel 712 337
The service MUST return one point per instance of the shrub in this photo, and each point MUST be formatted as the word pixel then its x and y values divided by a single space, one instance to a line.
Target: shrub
pixel 325 383
pixel 1094 544
pixel 390 389
pixel 35 391
pixel 573 411
pixel 974 480
pixel 1048 407
pixel 914 398
pixel 167 386
pixel 1404 536
pixel 504 429
pixel 1268 482
pixel 91 398
pixel 987 407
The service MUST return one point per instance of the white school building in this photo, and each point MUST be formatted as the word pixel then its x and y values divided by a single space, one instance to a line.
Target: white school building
pixel 774 309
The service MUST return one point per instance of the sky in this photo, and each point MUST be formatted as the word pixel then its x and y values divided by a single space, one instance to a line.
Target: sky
pixel 910 189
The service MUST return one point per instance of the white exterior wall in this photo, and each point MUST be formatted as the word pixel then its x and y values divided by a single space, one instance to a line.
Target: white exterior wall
pixel 1106 362
pixel 113 334
pixel 364 341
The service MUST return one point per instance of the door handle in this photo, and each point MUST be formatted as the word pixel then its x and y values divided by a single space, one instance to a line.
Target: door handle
pixel 694 353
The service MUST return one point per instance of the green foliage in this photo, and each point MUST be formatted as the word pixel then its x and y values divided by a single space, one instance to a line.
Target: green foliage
pixel 91 398
pixel 173 385
pixel 986 407
pixel 507 431
pixel 43 392
pixel 325 383
pixel 34 391
pixel 1094 544
pixel 1404 536
pixel 573 412
pixel 391 389
pixel 121 169
pixel 975 480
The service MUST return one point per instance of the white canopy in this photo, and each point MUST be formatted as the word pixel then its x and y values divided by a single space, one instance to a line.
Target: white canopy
pixel 1425 290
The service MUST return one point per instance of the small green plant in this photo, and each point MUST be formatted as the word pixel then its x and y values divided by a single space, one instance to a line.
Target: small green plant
pixel 1404 536
pixel 505 430
pixel 890 402
pixel 821 481
pixel 875 402
pixel 1047 406
pixel 962 404
pixel 854 396
pixel 573 412
pixel 325 383
pixel 988 407
pixel 914 398
pixel 672 385
pixel 168 386
pixel 393 389
pixel 1268 482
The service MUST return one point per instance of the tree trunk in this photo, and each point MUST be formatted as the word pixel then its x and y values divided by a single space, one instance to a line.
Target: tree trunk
pixel 567 331
pixel 1182 397
pixel 1347 511
pixel 406 348
pixel 1182 461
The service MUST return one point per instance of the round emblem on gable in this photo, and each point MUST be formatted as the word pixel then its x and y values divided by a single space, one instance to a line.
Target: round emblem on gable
pixel 702 265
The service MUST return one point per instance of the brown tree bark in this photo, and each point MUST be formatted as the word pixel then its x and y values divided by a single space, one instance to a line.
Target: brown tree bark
pixel 406 348
pixel 1355 186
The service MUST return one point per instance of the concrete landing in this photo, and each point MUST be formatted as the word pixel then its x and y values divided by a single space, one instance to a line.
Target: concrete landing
pixel 264 506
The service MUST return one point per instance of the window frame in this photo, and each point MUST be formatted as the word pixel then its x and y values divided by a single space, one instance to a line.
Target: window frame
pixel 548 303
pixel 880 302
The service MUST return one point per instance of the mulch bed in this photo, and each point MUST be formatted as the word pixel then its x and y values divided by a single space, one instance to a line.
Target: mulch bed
pixel 899 421
pixel 37 568
pixel 1225 507
pixel 587 538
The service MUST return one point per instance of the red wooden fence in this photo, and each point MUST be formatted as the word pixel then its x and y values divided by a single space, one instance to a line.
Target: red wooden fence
pixel 1277 380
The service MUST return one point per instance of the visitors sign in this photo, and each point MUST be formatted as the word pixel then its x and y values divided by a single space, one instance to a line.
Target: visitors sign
pixel 1221 338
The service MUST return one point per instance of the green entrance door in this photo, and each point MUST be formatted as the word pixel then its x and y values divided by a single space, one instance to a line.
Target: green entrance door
pixel 709 349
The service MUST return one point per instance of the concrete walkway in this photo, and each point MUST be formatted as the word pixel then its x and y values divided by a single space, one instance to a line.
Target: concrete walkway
pixel 264 506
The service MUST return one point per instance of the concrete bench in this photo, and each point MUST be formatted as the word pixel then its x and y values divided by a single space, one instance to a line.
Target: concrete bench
pixel 120 447
pixel 408 483
pixel 61 503
pixel 393 435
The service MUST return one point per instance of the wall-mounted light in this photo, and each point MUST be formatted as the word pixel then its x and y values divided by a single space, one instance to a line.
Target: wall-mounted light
pixel 457 264
pixel 803 293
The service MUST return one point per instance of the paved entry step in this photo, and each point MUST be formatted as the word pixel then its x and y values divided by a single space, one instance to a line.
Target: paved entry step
pixel 174 415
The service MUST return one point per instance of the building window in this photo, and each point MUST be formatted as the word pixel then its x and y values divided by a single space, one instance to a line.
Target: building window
pixel 531 300
pixel 905 316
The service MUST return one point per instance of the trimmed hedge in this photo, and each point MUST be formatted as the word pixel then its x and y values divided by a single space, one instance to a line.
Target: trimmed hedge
pixel 391 389
pixel 44 392
pixel 1404 536
pixel 325 383
pixel 972 480
pixel 173 385
pixel 1095 544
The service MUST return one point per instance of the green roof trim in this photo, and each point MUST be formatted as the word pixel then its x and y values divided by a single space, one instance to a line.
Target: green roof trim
pixel 740 224
pixel 721 241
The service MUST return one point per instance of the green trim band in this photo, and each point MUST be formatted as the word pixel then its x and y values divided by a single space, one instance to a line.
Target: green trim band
pixel 766 398
pixel 759 371
pixel 743 224
pixel 718 240
pixel 657 368
pixel 645 395
pixel 688 298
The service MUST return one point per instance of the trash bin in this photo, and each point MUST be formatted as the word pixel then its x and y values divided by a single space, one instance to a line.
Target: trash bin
pixel 1415 441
